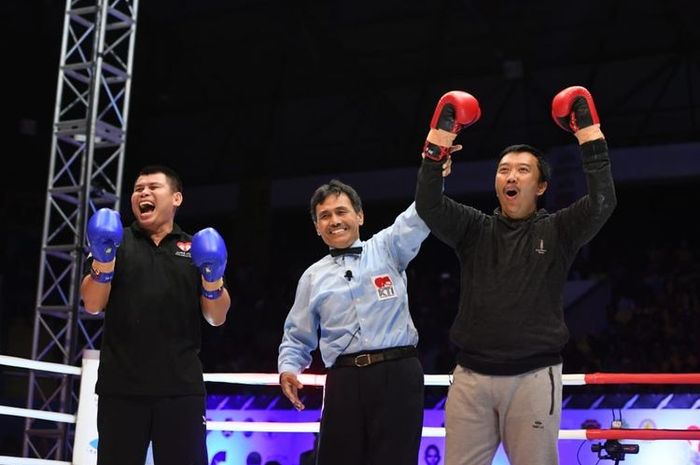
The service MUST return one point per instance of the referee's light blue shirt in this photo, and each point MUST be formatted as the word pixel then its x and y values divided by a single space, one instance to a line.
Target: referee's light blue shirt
pixel 365 309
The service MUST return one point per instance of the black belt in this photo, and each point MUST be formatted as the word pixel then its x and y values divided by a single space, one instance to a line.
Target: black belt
pixel 370 357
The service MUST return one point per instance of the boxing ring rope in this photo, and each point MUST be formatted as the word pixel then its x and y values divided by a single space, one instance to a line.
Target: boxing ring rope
pixel 5 460
pixel 641 378
pixel 270 379
pixel 41 366
pixel 430 380
pixel 445 380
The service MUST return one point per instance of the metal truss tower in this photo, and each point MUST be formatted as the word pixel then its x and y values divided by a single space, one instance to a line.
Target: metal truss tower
pixel 85 173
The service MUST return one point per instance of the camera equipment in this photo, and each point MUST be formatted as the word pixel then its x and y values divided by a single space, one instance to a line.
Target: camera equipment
pixel 613 450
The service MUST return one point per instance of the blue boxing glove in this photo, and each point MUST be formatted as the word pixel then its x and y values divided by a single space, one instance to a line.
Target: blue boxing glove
pixel 209 255
pixel 104 234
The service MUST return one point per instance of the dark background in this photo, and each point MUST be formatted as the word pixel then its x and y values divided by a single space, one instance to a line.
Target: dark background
pixel 252 93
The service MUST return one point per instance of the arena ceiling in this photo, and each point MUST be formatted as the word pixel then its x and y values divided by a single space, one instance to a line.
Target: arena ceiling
pixel 227 90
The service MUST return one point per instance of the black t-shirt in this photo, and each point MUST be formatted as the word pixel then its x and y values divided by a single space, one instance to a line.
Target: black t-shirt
pixel 152 334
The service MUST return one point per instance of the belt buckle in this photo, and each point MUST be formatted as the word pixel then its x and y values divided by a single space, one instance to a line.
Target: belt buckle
pixel 363 360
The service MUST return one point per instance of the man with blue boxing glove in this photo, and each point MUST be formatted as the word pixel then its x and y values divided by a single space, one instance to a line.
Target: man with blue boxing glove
pixel 153 281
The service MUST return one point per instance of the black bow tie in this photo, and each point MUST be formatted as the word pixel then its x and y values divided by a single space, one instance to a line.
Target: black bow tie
pixel 352 250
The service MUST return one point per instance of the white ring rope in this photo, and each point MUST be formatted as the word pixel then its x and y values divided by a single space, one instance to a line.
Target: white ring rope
pixel 5 460
pixel 313 427
pixel 272 379
pixel 41 366
pixel 39 414
pixel 264 426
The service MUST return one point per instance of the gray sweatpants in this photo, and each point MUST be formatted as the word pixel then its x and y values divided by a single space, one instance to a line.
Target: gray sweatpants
pixel 522 411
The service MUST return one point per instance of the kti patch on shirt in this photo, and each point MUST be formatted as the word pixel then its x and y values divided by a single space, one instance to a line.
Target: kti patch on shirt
pixel 384 287
pixel 184 249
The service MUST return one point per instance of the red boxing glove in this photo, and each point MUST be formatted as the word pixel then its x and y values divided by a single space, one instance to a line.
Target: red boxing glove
pixel 455 111
pixel 573 109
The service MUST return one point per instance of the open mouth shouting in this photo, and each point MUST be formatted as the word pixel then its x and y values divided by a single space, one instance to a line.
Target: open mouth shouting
pixel 146 207
pixel 511 192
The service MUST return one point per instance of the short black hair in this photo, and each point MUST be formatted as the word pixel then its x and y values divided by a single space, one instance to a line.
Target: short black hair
pixel 334 187
pixel 173 178
pixel 542 164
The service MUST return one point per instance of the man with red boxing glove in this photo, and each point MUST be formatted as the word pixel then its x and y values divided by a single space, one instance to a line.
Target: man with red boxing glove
pixel 154 282
pixel 509 329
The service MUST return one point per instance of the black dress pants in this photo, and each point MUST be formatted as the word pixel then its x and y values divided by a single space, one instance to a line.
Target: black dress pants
pixel 127 424
pixel 373 415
